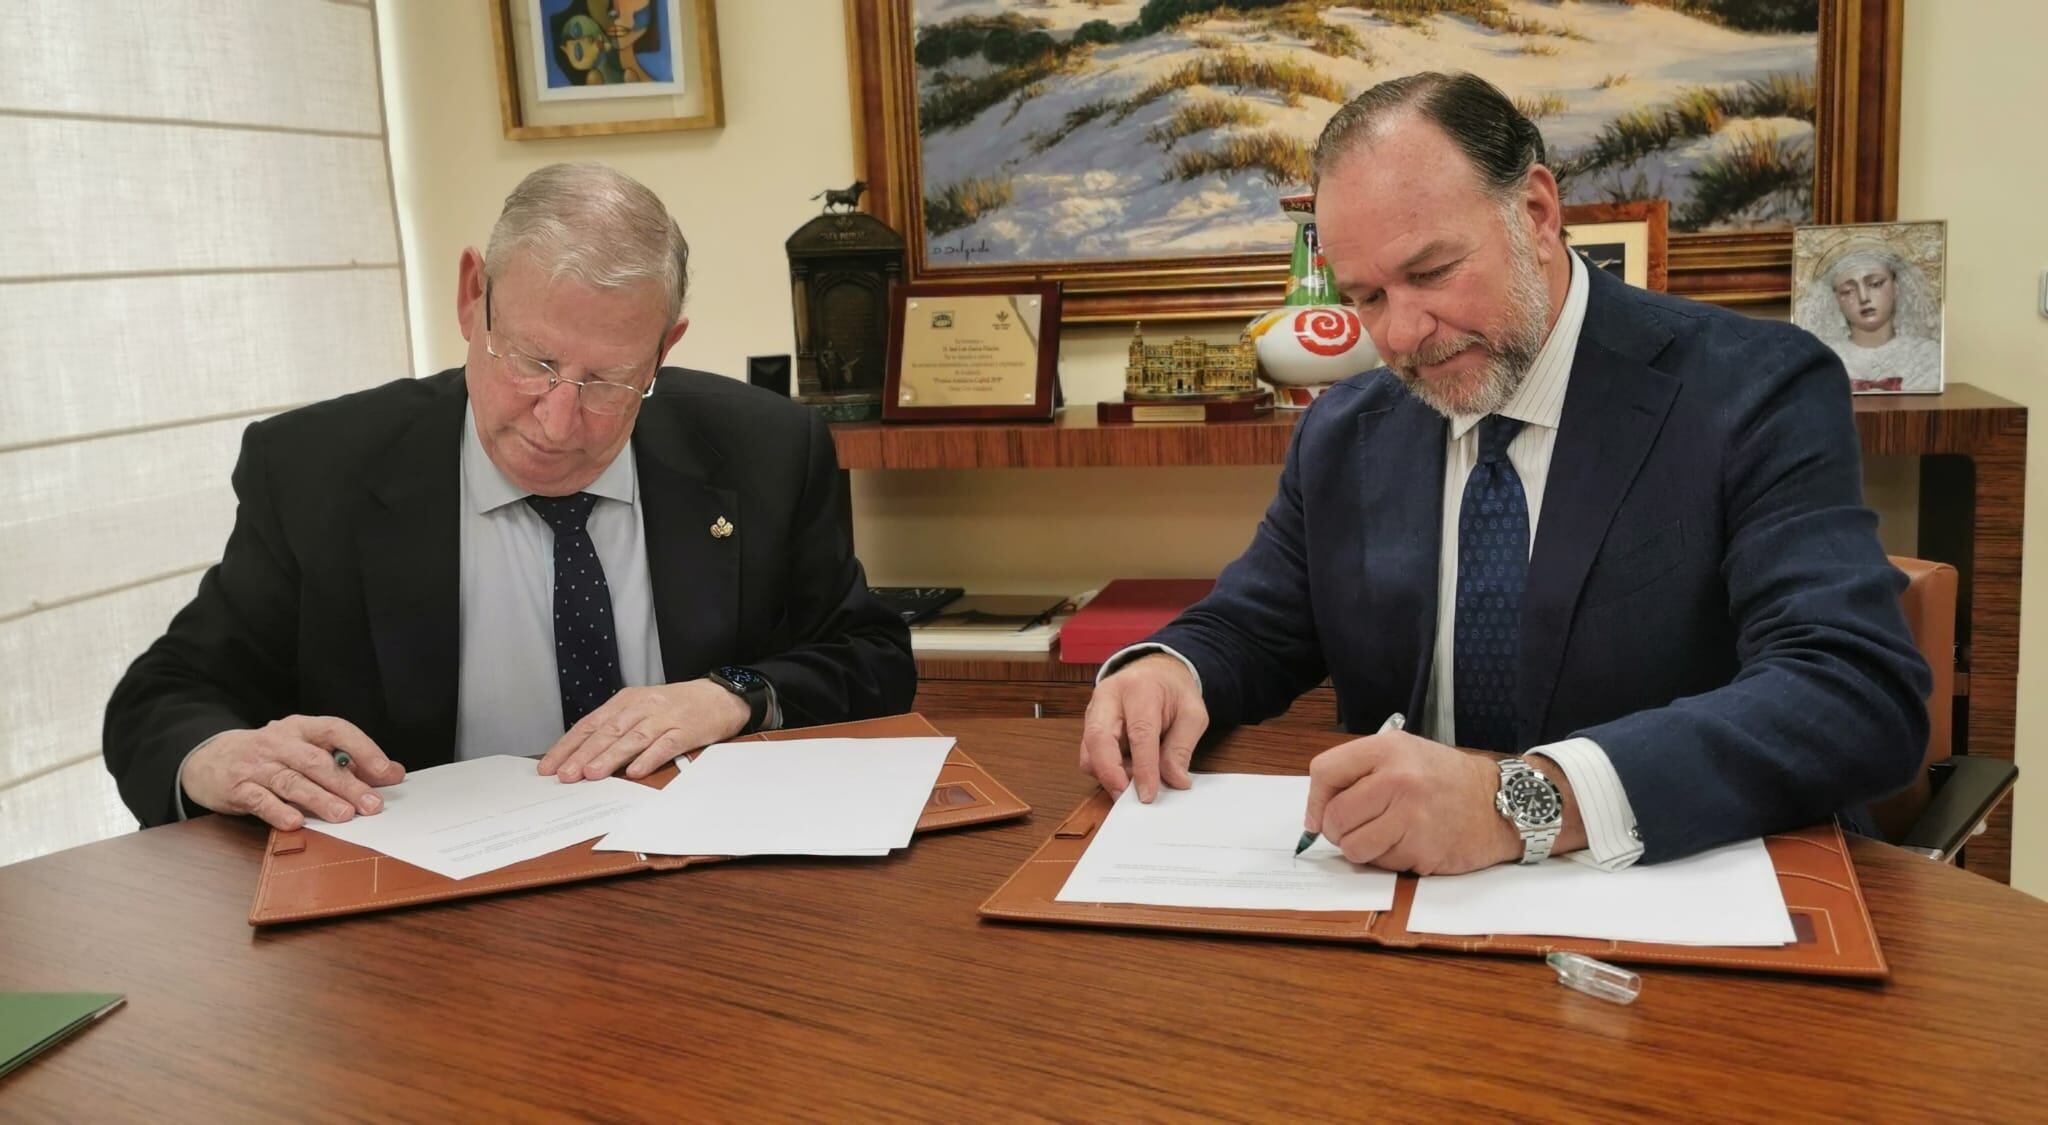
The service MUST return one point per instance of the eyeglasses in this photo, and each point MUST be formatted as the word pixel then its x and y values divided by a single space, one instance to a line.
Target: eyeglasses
pixel 606 392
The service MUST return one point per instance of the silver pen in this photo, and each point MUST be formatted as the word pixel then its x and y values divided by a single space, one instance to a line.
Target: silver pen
pixel 1395 721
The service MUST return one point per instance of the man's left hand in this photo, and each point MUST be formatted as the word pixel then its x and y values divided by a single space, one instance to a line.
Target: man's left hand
pixel 1404 803
pixel 647 727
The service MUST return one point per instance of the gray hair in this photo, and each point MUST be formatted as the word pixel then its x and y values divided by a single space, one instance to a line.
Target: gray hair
pixel 596 225
pixel 1497 138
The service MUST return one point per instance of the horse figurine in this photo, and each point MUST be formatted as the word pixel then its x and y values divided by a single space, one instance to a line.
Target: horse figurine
pixel 846 197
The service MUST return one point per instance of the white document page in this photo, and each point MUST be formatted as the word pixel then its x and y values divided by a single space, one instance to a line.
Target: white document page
pixel 466 818
pixel 1727 896
pixel 1228 841
pixel 814 796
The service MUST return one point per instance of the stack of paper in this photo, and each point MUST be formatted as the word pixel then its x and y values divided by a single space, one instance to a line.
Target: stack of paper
pixel 1228 841
pixel 467 818
pixel 996 623
pixel 1727 896
pixel 817 796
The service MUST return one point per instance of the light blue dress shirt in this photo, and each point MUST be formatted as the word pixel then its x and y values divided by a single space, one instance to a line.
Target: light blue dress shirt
pixel 509 700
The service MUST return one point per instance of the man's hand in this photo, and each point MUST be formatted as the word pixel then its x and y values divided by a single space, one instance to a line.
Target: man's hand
pixel 286 770
pixel 1151 709
pixel 648 727
pixel 1404 803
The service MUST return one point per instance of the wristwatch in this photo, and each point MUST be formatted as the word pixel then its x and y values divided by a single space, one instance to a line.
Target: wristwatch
pixel 749 685
pixel 1531 802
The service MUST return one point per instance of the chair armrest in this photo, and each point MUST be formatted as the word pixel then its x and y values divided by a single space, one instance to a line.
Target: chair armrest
pixel 1966 789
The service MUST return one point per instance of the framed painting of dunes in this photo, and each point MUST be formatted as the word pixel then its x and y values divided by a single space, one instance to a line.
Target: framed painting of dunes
pixel 1136 150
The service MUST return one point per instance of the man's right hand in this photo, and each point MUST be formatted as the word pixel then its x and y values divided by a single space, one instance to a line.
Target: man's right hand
pixel 1150 709
pixel 286 770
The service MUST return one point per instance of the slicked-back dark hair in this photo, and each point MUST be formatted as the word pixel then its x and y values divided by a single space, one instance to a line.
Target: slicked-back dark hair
pixel 1501 143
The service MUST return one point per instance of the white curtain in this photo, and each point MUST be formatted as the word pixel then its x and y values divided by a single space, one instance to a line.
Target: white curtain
pixel 197 231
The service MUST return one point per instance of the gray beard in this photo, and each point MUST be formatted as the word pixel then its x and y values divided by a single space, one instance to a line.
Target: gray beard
pixel 1508 359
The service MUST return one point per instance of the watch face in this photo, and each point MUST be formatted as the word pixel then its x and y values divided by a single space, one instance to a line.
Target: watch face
pixel 1533 798
pixel 746 679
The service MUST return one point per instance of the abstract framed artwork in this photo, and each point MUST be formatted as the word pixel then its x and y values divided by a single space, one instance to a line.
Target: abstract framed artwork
pixel 1874 293
pixel 1136 151
pixel 582 68
pixel 1628 240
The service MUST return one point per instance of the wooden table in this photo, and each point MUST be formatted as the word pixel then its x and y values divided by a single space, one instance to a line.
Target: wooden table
pixel 863 988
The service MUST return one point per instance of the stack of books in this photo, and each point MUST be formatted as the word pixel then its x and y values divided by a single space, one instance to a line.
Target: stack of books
pixel 995 623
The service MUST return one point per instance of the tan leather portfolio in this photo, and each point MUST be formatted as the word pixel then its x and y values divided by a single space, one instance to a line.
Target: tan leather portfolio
pixel 1829 917
pixel 309 875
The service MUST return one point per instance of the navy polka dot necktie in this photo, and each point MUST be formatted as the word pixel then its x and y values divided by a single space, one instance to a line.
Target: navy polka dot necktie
pixel 1493 565
pixel 586 644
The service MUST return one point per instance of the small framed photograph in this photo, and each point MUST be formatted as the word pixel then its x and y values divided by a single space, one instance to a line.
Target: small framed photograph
pixel 1628 240
pixel 1873 292
pixel 584 68
pixel 976 353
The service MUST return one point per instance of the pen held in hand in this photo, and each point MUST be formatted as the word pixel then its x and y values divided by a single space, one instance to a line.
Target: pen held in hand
pixel 1395 721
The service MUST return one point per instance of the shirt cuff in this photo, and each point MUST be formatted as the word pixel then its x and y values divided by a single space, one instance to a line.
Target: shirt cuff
pixel 178 778
pixel 1612 840
pixel 773 719
pixel 1129 653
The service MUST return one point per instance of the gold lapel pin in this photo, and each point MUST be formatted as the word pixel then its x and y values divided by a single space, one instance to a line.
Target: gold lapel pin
pixel 721 529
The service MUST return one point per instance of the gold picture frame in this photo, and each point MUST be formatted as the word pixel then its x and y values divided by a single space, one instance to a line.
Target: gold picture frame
pixel 1635 231
pixel 537 101
pixel 1855 178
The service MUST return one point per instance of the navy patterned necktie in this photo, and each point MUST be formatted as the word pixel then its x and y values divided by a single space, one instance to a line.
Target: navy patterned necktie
pixel 586 644
pixel 1493 565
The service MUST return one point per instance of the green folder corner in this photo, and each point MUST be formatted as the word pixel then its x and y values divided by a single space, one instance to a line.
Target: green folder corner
pixel 31 1022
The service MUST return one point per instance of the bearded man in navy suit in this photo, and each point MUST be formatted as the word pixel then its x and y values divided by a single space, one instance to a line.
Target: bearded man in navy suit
pixel 1606 549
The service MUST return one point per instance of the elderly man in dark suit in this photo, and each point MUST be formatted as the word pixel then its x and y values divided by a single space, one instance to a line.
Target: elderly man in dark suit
pixel 559 547
pixel 1605 548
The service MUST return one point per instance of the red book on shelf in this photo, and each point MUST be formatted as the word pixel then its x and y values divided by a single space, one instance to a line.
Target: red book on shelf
pixel 1127 611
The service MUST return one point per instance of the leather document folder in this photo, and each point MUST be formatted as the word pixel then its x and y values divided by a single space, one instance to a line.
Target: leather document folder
pixel 1831 923
pixel 309 875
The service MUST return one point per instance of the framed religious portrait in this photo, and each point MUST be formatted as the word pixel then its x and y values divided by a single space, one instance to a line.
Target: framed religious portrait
pixel 585 68
pixel 1873 292
pixel 972 353
pixel 1628 240
pixel 1137 152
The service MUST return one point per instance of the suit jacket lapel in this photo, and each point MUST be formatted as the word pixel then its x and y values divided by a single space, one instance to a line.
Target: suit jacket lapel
pixel 410 546
pixel 695 574
pixel 1613 409
pixel 1400 470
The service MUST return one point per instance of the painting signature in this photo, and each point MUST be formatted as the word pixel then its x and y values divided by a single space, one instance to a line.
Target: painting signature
pixel 961 250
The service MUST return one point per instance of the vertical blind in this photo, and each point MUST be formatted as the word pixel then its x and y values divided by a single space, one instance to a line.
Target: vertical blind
pixel 199 232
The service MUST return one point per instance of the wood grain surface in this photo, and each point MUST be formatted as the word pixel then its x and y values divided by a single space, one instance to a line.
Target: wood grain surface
pixel 868 988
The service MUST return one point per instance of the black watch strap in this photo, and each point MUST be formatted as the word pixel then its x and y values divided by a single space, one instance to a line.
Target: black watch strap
pixel 749 685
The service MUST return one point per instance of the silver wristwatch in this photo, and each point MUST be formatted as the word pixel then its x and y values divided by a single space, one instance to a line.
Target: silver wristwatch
pixel 1532 803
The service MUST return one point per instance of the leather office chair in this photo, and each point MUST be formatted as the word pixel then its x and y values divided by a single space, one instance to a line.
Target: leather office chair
pixel 1948 803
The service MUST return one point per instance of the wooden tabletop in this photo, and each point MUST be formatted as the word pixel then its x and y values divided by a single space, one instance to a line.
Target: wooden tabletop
pixel 862 988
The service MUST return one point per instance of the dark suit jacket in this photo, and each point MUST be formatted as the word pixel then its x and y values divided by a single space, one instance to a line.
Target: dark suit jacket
pixel 337 593
pixel 1706 595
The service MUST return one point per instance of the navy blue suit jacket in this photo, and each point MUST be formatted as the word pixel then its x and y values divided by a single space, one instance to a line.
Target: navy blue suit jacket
pixel 1706 597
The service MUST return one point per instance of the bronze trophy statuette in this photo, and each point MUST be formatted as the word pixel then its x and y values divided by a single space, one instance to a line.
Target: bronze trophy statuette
pixel 1188 380
pixel 841 265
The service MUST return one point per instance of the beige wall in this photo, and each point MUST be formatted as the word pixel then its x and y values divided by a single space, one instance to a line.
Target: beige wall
pixel 1972 153
pixel 741 190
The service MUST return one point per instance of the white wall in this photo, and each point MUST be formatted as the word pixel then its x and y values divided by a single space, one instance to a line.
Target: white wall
pixel 1971 155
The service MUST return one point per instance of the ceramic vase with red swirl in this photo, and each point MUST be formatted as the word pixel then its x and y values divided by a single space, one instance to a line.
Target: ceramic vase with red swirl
pixel 1312 340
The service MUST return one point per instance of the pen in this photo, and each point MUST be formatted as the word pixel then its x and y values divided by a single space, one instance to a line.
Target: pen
pixel 341 759
pixel 1395 721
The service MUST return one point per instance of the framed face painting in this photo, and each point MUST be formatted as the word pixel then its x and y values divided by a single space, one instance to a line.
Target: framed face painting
pixel 1873 292
pixel 1137 152
pixel 581 68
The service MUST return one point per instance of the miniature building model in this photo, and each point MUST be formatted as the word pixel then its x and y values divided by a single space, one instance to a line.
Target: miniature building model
pixel 1191 367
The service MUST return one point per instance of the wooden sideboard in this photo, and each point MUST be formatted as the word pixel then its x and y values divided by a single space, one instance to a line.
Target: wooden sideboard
pixel 1971 447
